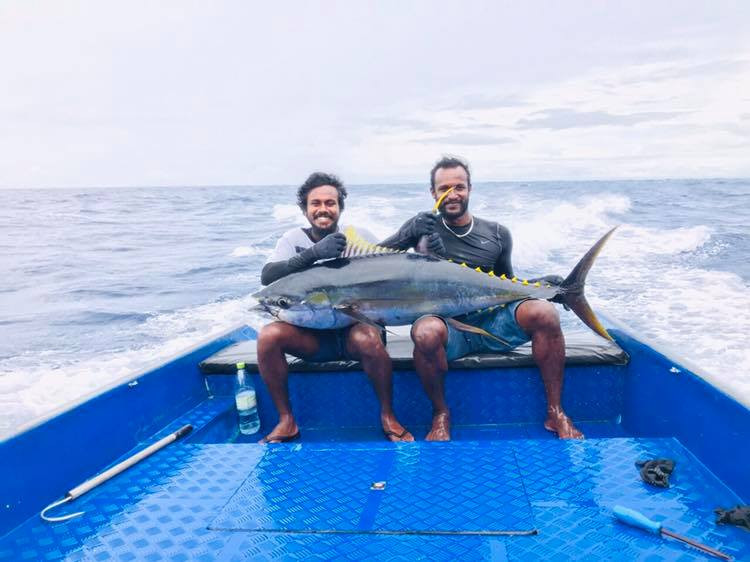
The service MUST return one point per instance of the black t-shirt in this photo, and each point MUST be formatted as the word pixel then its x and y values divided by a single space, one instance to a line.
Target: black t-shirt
pixel 484 244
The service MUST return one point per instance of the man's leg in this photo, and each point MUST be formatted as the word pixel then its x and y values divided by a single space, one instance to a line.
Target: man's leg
pixel 430 336
pixel 364 343
pixel 540 320
pixel 274 341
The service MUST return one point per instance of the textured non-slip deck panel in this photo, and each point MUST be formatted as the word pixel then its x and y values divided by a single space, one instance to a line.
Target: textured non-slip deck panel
pixel 161 508
pixel 426 490
pixel 580 349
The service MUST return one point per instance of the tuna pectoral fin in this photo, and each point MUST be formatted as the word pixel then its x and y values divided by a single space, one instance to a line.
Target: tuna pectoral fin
pixel 474 330
pixel 571 290
pixel 352 311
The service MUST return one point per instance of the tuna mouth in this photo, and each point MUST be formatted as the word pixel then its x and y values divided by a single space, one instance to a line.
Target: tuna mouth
pixel 264 308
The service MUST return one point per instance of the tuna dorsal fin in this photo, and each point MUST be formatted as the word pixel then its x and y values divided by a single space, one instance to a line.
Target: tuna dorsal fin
pixel 475 330
pixel 357 246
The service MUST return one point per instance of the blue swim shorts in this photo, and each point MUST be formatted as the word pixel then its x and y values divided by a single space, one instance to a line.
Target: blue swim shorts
pixel 500 322
pixel 332 345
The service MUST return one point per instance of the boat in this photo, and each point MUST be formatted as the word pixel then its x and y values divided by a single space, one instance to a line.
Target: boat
pixel 502 489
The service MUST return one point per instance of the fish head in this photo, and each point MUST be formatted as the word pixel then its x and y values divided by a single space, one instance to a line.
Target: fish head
pixel 309 310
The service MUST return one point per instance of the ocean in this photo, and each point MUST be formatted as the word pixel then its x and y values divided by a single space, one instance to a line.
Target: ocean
pixel 99 283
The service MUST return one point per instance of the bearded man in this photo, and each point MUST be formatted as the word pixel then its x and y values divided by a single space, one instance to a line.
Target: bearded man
pixel 462 237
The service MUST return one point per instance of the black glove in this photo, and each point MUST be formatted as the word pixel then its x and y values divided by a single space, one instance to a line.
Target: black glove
pixel 330 247
pixel 656 472
pixel 435 245
pixel 421 225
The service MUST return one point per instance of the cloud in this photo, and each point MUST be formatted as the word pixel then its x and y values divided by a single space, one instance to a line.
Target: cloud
pixel 468 139
pixel 672 71
pixel 383 124
pixel 484 101
pixel 566 118
pixel 739 130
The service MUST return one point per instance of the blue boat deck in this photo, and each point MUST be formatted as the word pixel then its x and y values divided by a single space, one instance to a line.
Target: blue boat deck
pixel 502 493
pixel 503 489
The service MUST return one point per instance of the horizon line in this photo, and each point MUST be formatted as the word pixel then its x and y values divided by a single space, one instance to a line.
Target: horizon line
pixel 365 184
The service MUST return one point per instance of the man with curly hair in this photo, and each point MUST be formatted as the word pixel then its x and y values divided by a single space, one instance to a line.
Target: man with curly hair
pixel 321 199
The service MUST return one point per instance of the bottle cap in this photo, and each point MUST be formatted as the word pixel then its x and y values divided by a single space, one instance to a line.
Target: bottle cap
pixel 240 365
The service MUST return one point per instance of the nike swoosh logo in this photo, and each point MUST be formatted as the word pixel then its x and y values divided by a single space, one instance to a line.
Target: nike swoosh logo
pixel 485 241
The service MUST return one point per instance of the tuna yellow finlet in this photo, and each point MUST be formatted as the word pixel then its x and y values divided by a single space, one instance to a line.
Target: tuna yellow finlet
pixel 537 284
pixel 503 277
pixel 525 282
pixel 514 279
pixel 479 269
pixel 491 273
pixel 463 264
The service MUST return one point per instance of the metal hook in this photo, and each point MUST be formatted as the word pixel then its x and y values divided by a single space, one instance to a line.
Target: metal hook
pixel 92 483
pixel 66 499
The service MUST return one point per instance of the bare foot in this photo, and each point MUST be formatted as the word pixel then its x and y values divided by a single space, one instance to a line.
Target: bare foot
pixel 285 430
pixel 393 430
pixel 441 427
pixel 558 422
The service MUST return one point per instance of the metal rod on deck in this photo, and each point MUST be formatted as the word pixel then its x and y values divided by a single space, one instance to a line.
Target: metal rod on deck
pixel 696 544
pixel 89 485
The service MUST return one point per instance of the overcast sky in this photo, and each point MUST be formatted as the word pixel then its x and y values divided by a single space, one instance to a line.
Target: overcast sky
pixel 209 93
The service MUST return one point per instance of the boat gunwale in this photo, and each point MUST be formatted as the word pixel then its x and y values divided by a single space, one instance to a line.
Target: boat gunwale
pixel 676 357
pixel 145 369
pixel 665 350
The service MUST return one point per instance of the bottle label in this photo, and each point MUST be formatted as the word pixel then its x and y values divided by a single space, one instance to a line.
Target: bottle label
pixel 245 400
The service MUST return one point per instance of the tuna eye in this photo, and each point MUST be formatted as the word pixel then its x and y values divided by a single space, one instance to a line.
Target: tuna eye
pixel 283 303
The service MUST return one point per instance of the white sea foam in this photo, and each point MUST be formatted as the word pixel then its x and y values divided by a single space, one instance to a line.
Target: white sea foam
pixel 648 276
pixel 25 396
pixel 244 251
pixel 699 314
pixel 288 213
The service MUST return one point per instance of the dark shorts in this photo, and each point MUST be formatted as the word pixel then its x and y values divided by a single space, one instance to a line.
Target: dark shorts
pixel 332 345
pixel 500 322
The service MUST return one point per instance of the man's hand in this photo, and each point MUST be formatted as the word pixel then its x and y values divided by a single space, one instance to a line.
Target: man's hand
pixel 422 225
pixel 330 247
pixel 435 245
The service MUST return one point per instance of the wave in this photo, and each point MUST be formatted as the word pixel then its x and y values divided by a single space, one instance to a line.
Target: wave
pixel 244 251
pixel 95 318
pixel 73 373
pixel 671 271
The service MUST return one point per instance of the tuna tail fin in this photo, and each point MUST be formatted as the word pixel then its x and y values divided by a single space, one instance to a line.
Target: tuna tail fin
pixel 571 294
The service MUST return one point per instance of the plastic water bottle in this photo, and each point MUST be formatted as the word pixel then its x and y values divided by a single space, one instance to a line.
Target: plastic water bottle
pixel 244 398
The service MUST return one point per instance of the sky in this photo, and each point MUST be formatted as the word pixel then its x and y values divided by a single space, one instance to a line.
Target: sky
pixel 178 93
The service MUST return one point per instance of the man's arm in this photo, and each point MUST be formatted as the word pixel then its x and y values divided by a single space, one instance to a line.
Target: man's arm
pixel 330 247
pixel 411 231
pixel 503 264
